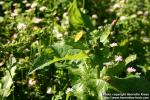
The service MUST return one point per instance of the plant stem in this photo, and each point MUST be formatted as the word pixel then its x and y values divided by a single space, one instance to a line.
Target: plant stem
pixel 98 72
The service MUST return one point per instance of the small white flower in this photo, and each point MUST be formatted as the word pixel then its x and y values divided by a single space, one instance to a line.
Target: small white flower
pixel 33 5
pixel 31 82
pixel 37 20
pixel 131 69
pixel 28 5
pixel 146 39
pixel 118 58
pixel 69 90
pixel 57 18
pixel 65 14
pixel 43 8
pixel 100 27
pixel 6 12
pixel 35 28
pixel 14 36
pixel 2 2
pixel 14 14
pixel 24 1
pixel 146 13
pixel 113 44
pixel 122 18
pixel 49 90
pixel 29 10
pixel 117 6
pixel 66 33
pixel 94 16
pixel 58 35
pixel 108 63
pixel 15 4
pixel 26 50
pixel 140 13
pixel 21 26
pixel 133 16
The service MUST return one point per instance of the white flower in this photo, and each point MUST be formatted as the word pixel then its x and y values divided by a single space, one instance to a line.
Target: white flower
pixel 133 16
pixel 58 35
pixel 69 90
pixel 29 10
pixel 37 20
pixel 49 90
pixel 100 27
pixel 24 1
pixel 65 14
pixel 113 44
pixel 131 69
pixel 15 4
pixel 140 13
pixel 116 6
pixel 118 58
pixel 31 82
pixel 122 18
pixel 94 16
pixel 35 28
pixel 146 39
pixel 57 18
pixel 33 5
pixel 43 8
pixel 146 13
pixel 66 33
pixel 108 63
pixel 14 14
pixel 6 12
pixel 21 26
pixel 28 5
pixel 2 2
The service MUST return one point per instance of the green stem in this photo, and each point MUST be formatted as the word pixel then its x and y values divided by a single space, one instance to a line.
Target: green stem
pixel 98 72
pixel 83 4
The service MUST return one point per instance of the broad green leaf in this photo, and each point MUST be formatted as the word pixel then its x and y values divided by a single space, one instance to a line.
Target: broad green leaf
pixel 6 81
pixel 131 84
pixel 74 14
pixel 76 18
pixel 105 34
pixel 114 70
pixel 79 56
pixel 130 59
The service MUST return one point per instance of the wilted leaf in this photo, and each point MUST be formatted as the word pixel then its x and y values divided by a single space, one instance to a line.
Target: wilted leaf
pixel 78 36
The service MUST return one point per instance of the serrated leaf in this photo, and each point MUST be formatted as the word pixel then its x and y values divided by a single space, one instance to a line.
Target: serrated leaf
pixel 79 56
pixel 130 59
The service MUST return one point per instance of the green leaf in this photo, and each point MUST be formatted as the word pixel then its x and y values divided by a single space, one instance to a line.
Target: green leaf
pixel 118 68
pixel 6 81
pixel 132 84
pixel 79 56
pixel 74 14
pixel 76 18
pixel 114 70
pixel 104 36
pixel 130 59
